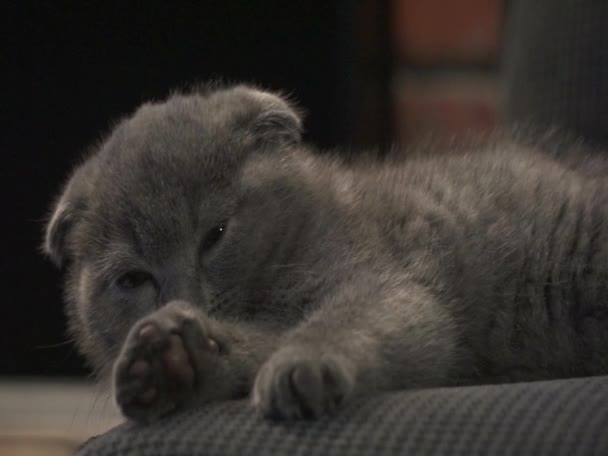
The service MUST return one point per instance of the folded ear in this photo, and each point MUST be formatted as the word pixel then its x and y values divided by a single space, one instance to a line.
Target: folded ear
pixel 260 117
pixel 56 232
pixel 277 121
pixel 66 213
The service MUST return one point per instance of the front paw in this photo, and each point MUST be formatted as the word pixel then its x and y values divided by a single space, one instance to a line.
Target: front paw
pixel 300 382
pixel 158 368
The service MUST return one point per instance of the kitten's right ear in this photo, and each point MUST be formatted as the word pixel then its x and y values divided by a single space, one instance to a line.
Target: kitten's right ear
pixel 55 241
pixel 64 216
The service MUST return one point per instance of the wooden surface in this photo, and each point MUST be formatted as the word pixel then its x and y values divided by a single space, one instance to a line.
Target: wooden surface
pixel 51 418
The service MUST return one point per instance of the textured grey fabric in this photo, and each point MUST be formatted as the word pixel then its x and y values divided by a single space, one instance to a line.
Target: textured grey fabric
pixel 556 66
pixel 562 417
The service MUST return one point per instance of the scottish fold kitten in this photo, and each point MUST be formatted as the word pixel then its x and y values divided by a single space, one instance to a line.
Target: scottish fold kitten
pixel 210 254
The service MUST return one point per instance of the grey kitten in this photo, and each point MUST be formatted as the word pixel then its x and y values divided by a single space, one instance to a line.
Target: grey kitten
pixel 211 255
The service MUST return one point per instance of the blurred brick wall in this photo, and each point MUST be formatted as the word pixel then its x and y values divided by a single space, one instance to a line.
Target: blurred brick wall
pixel 445 81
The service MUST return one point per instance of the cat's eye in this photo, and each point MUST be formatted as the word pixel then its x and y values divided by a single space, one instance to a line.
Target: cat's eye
pixel 212 237
pixel 134 279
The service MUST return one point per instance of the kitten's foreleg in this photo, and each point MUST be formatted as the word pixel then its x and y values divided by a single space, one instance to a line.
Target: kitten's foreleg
pixel 178 355
pixel 356 343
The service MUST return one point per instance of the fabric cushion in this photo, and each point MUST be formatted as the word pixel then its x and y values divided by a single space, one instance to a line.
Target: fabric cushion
pixel 541 418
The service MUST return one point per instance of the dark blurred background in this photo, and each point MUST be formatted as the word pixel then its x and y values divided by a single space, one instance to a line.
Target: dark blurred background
pixel 367 72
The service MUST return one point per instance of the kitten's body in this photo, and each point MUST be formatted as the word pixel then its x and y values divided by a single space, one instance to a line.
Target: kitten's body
pixel 327 279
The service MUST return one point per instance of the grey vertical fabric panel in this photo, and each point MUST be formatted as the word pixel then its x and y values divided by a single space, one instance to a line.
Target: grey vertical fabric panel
pixel 556 66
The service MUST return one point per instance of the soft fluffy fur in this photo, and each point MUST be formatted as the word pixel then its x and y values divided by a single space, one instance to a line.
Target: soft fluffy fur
pixel 211 254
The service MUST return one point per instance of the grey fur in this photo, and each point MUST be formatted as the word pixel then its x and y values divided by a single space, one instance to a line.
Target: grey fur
pixel 330 279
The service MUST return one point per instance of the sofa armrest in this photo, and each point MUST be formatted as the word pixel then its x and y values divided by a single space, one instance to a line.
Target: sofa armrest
pixel 539 418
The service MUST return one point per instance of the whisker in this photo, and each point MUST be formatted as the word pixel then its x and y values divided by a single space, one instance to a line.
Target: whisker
pixel 56 345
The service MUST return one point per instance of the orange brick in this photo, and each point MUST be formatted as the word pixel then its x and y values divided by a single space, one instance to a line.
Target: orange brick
pixel 445 107
pixel 432 31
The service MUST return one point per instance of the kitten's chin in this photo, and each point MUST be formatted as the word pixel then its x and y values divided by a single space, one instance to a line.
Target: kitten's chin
pixel 101 372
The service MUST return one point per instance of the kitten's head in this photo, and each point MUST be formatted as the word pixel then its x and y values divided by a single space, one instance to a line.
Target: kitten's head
pixel 167 208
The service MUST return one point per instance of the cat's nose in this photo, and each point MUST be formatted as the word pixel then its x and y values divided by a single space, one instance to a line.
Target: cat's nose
pixel 179 289
pixel 180 278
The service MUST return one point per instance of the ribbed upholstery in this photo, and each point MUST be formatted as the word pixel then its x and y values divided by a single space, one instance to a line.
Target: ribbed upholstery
pixel 561 417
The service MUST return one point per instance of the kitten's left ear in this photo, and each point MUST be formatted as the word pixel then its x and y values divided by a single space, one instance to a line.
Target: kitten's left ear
pixel 277 120
pixel 263 117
